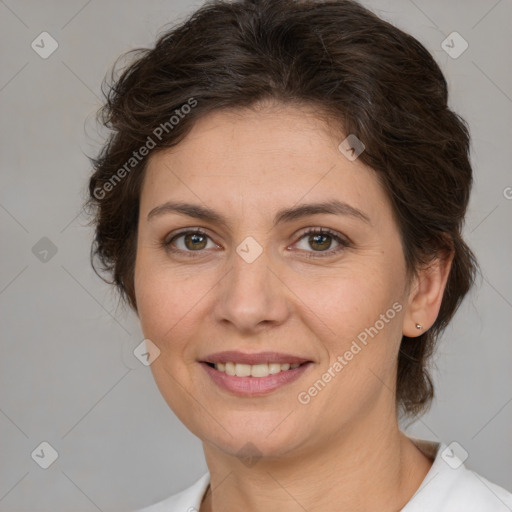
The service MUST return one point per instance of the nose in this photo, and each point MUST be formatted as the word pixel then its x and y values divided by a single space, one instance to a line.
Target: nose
pixel 252 296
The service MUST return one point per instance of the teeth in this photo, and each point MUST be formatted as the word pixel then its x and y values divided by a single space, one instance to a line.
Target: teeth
pixel 242 370
pixel 274 368
pixel 254 370
pixel 230 369
pixel 259 370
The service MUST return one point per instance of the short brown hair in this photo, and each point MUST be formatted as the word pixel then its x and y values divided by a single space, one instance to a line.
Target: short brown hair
pixel 372 79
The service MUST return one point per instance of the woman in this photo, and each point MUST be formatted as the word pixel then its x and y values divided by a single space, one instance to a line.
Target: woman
pixel 281 202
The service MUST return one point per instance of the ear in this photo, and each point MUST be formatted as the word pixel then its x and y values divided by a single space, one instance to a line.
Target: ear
pixel 426 294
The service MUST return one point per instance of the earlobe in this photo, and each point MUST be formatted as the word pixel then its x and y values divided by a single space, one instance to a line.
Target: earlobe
pixel 426 296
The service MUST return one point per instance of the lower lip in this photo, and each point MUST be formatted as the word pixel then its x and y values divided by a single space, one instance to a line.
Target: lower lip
pixel 254 386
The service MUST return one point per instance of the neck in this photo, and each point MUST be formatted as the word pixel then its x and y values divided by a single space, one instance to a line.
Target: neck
pixel 371 467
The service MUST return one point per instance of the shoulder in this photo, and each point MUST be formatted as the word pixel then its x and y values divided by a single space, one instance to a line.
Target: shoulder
pixel 450 486
pixel 188 500
pixel 474 492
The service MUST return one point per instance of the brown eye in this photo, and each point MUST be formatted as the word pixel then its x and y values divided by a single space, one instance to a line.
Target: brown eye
pixel 195 241
pixel 189 241
pixel 320 241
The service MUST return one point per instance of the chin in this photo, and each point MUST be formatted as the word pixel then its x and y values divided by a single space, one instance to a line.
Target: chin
pixel 267 437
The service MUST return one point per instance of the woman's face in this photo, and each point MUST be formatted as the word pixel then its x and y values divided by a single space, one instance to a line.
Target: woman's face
pixel 254 281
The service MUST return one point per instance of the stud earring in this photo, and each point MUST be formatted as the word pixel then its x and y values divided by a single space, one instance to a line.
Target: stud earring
pixel 419 326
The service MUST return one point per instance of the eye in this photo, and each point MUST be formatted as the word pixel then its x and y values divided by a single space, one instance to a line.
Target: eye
pixel 188 242
pixel 321 241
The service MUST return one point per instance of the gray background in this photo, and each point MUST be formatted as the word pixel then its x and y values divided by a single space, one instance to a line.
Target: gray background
pixel 68 375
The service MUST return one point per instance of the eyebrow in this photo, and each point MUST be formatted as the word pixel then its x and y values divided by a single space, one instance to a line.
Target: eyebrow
pixel 333 207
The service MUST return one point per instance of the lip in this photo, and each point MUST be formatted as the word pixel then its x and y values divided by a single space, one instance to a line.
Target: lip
pixel 233 356
pixel 254 386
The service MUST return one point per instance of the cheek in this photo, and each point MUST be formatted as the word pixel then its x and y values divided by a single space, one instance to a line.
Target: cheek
pixel 174 304
pixel 166 314
pixel 162 302
pixel 357 318
pixel 346 302
pixel 362 351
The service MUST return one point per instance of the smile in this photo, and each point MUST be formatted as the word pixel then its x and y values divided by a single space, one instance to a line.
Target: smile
pixel 253 374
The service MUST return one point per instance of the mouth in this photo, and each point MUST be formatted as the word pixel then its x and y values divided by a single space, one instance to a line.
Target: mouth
pixel 253 374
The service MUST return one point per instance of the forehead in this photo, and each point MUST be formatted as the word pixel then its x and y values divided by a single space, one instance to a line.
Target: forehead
pixel 270 157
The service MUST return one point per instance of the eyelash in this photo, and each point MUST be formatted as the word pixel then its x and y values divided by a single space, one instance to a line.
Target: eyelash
pixel 343 242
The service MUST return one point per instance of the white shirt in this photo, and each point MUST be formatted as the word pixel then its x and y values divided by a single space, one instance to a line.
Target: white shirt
pixel 449 486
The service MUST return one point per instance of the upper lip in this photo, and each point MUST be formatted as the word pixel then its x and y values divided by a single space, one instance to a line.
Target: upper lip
pixel 233 356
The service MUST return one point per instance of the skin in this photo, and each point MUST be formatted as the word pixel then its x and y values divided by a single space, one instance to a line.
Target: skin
pixel 343 450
